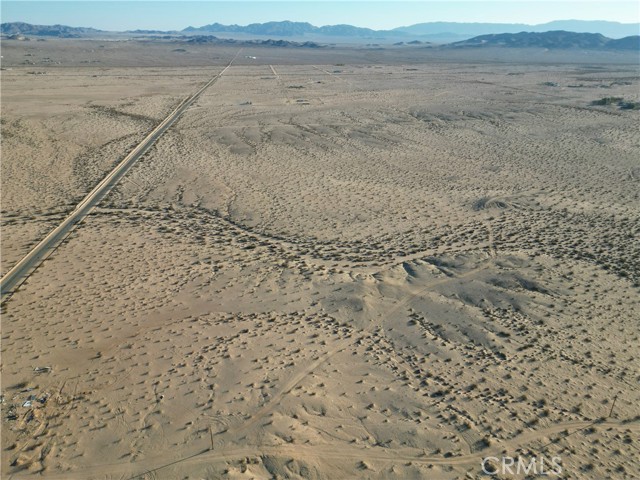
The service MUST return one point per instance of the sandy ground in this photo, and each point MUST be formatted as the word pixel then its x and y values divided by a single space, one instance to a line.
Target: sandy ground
pixel 323 270
pixel 63 131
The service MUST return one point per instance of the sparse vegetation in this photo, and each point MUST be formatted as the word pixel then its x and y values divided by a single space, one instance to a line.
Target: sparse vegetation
pixel 629 105
pixel 619 101
pixel 607 101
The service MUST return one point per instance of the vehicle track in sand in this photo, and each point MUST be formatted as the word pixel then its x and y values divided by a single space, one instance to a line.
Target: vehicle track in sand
pixel 151 465
pixel 348 452
pixel 234 433
pixel 20 272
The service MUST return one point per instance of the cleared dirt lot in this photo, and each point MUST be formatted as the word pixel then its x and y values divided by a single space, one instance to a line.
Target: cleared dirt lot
pixel 326 269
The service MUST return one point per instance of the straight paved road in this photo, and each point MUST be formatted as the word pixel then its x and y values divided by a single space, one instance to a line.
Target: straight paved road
pixel 30 262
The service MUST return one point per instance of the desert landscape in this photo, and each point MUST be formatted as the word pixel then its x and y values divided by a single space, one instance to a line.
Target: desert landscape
pixel 339 262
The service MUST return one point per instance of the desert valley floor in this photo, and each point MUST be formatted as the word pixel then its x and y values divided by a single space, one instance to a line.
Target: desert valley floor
pixel 334 265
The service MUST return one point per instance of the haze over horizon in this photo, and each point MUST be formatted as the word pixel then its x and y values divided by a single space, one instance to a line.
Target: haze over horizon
pixel 172 15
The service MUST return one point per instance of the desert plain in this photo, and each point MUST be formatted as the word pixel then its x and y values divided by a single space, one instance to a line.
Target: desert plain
pixel 337 263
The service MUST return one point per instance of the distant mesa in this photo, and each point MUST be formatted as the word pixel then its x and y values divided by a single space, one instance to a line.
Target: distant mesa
pixel 204 39
pixel 150 32
pixel 552 40
pixel 211 39
pixel 284 43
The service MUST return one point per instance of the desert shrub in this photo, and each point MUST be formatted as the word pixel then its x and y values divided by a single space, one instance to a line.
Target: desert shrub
pixel 629 105
pixel 607 101
pixel 619 101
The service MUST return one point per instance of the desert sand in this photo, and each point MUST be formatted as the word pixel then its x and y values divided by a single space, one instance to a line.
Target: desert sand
pixel 345 263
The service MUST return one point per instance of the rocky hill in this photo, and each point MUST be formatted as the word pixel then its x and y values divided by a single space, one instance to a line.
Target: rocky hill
pixel 552 40
pixel 286 29
pixel 21 28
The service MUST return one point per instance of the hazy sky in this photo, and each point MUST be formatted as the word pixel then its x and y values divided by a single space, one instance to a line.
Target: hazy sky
pixel 170 15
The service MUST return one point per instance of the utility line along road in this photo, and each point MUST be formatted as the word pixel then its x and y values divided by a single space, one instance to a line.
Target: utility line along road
pixel 30 262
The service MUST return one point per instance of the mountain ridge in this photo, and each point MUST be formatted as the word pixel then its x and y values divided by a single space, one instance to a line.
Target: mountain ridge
pixel 64 31
pixel 606 28
pixel 444 30
pixel 558 39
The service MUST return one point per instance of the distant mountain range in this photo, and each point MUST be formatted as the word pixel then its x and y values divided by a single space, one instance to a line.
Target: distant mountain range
pixel 290 29
pixel 21 28
pixel 425 30
pixel 608 29
pixel 558 34
pixel 552 40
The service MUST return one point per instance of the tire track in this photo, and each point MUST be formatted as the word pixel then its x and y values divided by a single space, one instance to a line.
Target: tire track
pixel 333 75
pixel 268 408
pixel 326 452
